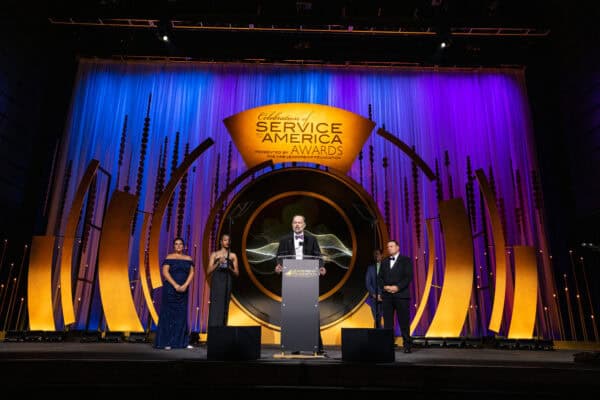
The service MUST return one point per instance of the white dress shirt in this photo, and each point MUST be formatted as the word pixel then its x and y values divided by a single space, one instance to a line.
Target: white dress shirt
pixel 299 246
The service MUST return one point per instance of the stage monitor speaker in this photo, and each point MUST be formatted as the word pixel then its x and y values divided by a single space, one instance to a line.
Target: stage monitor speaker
pixel 233 343
pixel 368 345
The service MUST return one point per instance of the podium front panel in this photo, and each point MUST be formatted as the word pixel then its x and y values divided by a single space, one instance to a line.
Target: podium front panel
pixel 300 305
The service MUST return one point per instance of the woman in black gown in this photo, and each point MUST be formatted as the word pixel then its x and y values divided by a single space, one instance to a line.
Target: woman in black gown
pixel 222 268
pixel 178 270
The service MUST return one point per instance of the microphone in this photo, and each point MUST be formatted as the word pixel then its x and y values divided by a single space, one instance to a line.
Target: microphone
pixel 228 260
pixel 300 243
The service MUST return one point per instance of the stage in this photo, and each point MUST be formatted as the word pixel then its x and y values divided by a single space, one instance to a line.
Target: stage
pixel 90 370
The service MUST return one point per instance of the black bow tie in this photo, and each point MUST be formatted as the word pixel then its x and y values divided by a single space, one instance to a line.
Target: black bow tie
pixel 299 237
pixel 392 259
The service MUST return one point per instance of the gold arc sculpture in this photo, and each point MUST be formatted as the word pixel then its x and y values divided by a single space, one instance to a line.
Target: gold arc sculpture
pixel 499 254
pixel 522 322
pixel 39 284
pixel 428 279
pixel 406 149
pixel 159 212
pixel 113 264
pixel 453 305
pixel 142 271
pixel 219 203
pixel 69 242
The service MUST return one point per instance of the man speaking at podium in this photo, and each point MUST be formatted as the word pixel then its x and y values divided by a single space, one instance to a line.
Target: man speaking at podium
pixel 300 244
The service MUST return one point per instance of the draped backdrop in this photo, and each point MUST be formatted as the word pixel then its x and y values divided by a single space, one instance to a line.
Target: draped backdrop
pixel 457 120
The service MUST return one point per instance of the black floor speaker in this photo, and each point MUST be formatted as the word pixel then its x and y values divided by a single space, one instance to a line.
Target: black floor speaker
pixel 233 343
pixel 368 345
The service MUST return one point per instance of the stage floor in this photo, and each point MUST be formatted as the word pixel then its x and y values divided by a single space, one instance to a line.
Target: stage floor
pixel 98 369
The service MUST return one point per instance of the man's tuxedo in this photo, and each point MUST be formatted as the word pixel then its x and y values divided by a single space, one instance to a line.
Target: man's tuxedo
pixel 400 273
pixel 310 247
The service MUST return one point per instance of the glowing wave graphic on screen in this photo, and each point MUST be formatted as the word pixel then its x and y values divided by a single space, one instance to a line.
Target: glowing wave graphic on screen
pixel 333 249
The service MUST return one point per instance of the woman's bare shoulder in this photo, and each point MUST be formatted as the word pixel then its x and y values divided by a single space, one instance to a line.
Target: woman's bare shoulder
pixel 175 256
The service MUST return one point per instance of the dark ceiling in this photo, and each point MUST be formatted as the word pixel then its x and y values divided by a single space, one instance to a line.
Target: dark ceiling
pixel 488 32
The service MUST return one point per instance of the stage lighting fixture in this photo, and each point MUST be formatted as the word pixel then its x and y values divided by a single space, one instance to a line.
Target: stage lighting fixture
pixel 303 6
pixel 14 336
pixel 454 342
pixel 136 337
pixel 164 31
pixel 42 336
pixel 448 342
pixel 473 343
pixel 590 246
pixel 444 39
pixel 525 344
pixel 436 342
pixel 91 337
pixel 112 337
pixel 53 336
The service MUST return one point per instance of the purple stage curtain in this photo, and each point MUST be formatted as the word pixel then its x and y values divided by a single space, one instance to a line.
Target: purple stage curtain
pixel 448 115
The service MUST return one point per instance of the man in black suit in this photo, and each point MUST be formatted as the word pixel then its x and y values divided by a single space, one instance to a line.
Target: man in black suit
pixel 300 243
pixel 395 277
pixel 374 300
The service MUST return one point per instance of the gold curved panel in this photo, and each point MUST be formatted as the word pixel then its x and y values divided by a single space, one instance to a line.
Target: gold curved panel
pixel 159 212
pixel 113 264
pixel 409 152
pixel 39 284
pixel 522 322
pixel 217 207
pixel 499 251
pixel 454 301
pixel 66 295
pixel 142 269
pixel 428 279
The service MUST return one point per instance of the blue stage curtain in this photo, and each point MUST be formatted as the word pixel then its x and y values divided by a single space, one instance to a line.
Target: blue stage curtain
pixel 480 113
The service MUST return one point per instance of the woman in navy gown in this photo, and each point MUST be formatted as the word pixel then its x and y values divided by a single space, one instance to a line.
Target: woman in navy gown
pixel 178 271
pixel 222 267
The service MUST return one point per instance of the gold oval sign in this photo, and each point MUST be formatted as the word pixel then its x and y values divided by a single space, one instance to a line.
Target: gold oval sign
pixel 300 132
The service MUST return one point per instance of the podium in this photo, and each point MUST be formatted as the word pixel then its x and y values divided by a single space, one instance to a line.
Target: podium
pixel 300 305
